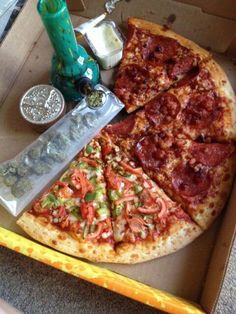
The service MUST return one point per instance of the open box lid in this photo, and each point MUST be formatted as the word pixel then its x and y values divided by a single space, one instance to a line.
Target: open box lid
pixel 209 23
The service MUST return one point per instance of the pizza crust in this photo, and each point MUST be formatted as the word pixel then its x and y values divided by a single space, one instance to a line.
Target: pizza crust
pixel 156 29
pixel 206 212
pixel 178 235
pixel 224 89
pixel 41 231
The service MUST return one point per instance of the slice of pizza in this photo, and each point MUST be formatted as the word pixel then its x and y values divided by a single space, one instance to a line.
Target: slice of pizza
pixel 146 222
pixel 199 175
pixel 202 104
pixel 73 216
pixel 153 59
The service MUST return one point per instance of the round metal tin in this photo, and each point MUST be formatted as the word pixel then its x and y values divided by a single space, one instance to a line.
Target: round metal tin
pixel 41 106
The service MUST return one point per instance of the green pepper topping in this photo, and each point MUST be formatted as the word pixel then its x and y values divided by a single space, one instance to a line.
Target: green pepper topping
pixel 83 165
pixel 90 196
pixel 114 195
pixel 103 213
pixel 50 201
pixel 89 149
pixel 137 189
pixel 93 180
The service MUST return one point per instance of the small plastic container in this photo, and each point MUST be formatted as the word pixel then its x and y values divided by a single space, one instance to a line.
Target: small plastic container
pixel 107 43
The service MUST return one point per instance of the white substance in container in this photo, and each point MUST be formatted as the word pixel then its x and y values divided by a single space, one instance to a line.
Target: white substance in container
pixel 106 43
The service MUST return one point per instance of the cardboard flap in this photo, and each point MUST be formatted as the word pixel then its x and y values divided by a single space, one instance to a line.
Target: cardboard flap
pixel 218 264
pixel 221 8
pixel 207 30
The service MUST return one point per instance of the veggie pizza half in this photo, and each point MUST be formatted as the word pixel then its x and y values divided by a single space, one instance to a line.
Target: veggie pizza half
pixel 106 210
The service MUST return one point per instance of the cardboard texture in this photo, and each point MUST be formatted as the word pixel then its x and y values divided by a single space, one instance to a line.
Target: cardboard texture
pixel 212 32
pixel 183 273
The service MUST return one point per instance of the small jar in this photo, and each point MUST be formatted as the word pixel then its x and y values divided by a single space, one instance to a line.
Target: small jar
pixel 41 106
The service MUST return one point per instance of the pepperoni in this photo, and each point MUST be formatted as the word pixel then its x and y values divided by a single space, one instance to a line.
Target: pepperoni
pixel 149 154
pixel 162 109
pixel 132 79
pixel 189 78
pixel 211 154
pixel 159 49
pixel 202 110
pixel 180 67
pixel 189 182
pixel 123 127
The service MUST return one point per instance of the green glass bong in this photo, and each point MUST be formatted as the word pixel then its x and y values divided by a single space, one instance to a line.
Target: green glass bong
pixel 72 67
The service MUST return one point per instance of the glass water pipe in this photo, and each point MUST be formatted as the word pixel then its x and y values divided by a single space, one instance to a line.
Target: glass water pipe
pixel 71 65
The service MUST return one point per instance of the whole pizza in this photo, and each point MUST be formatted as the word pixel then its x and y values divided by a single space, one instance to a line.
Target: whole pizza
pixel 153 182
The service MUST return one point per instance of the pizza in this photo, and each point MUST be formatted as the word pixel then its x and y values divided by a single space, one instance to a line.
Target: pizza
pixel 151 183
pixel 153 59
pixel 106 210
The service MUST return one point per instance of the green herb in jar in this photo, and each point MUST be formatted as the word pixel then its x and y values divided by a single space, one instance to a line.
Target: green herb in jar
pixel 95 99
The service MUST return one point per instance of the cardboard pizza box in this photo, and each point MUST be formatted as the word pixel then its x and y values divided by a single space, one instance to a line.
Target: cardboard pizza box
pixel 195 273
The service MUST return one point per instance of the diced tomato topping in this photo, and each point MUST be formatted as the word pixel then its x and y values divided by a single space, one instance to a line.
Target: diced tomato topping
pixel 94 235
pixel 91 214
pixel 148 210
pixel 90 162
pixel 65 192
pixel 127 198
pixel 127 208
pixel 87 212
pixel 163 212
pixel 65 223
pixel 84 210
pixel 136 171
pixel 38 209
pixel 115 180
pixel 61 184
pixel 136 224
pixel 62 212
pixel 146 198
pixel 80 182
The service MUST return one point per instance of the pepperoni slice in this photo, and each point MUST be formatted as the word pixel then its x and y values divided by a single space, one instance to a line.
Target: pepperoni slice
pixel 162 109
pixel 159 49
pixel 189 79
pixel 132 81
pixel 123 127
pixel 189 182
pixel 211 154
pixel 198 79
pixel 201 111
pixel 180 67
pixel 149 154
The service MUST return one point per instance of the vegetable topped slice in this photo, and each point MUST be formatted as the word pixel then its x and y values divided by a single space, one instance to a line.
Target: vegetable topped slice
pixel 140 209
pixel 77 202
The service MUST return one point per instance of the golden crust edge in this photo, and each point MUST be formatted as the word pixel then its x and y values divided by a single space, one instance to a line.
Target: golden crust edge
pixel 157 29
pixel 64 242
pixel 178 236
pixel 204 217
pixel 224 89
pixel 125 253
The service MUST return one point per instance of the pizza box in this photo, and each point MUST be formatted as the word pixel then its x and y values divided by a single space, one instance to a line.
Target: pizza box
pixel 188 281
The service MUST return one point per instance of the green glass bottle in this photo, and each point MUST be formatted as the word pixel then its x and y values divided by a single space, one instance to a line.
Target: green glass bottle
pixel 70 64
